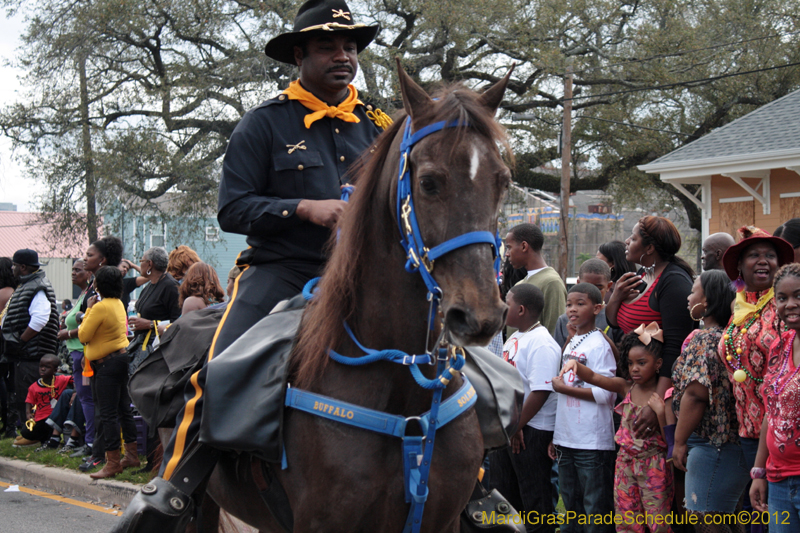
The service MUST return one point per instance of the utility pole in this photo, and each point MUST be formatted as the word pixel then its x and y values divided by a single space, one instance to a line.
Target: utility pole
pixel 566 149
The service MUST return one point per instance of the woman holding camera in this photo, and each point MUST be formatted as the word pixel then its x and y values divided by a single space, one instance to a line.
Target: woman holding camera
pixel 657 292
pixel 102 252
pixel 158 301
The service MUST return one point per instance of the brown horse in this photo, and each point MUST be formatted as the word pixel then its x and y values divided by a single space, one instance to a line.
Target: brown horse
pixel 341 478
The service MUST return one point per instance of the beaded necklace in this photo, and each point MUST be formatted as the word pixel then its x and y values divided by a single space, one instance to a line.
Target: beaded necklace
pixel 786 356
pixel 735 352
pixel 583 338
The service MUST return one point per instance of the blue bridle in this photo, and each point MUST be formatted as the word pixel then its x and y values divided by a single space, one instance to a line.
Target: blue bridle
pixel 418 255
pixel 417 450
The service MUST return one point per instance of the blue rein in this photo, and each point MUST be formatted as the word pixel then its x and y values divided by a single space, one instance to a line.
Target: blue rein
pixel 417 450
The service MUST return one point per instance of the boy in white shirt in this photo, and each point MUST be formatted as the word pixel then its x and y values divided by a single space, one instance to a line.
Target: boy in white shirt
pixel 584 430
pixel 522 472
pixel 595 272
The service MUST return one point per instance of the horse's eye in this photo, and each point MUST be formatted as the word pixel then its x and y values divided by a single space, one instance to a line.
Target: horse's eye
pixel 428 185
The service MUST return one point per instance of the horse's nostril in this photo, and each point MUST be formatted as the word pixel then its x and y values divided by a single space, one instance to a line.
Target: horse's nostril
pixel 467 326
pixel 457 321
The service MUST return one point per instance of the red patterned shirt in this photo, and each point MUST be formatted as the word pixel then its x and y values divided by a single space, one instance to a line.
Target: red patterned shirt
pixel 755 345
pixel 44 398
pixel 781 392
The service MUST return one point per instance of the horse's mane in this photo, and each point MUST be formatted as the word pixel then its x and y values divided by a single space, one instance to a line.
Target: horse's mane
pixel 369 223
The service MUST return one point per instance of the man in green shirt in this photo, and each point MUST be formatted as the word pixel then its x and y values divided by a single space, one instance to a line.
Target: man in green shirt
pixel 524 250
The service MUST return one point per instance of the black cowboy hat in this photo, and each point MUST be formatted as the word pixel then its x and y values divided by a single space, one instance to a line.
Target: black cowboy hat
pixel 315 17
pixel 752 235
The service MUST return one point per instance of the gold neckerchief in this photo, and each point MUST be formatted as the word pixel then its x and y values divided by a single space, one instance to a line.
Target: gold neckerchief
pixel 320 109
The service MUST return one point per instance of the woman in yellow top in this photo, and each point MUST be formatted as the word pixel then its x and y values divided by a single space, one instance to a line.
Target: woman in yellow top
pixel 103 332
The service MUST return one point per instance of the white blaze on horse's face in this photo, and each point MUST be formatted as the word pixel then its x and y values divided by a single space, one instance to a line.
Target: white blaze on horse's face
pixel 474 162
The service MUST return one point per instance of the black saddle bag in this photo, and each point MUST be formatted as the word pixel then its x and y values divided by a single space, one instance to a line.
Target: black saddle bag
pixel 157 385
pixel 245 384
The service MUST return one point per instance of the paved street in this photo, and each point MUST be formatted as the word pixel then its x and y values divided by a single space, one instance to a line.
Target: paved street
pixel 22 511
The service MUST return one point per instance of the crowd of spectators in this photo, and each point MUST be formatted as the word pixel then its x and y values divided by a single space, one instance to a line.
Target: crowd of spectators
pixel 79 403
pixel 641 382
pixel 658 394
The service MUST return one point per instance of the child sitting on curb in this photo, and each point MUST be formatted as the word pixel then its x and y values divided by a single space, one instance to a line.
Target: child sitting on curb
pixel 66 418
pixel 42 398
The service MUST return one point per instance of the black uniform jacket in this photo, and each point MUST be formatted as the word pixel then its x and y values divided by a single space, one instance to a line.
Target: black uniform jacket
pixel 272 162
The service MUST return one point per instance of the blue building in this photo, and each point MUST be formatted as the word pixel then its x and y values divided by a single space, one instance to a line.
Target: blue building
pixel 141 227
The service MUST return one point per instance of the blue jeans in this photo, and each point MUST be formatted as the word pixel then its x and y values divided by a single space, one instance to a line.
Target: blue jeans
pixel 750 448
pixel 62 411
pixel 586 478
pixel 783 499
pixel 715 477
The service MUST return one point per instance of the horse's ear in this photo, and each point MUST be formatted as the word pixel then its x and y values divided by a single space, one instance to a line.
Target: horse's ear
pixel 415 99
pixel 492 97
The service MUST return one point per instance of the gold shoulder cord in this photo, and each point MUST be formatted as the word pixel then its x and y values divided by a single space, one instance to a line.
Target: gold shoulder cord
pixel 380 118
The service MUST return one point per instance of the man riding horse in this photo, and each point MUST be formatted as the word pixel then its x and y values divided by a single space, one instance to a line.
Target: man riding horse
pixel 281 178
pixel 282 175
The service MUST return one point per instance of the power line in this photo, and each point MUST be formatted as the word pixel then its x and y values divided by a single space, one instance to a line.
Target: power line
pixel 27 225
pixel 528 116
pixel 676 84
pixel 688 51
pixel 637 126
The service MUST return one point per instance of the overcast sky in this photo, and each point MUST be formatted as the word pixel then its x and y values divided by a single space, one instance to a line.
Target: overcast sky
pixel 14 187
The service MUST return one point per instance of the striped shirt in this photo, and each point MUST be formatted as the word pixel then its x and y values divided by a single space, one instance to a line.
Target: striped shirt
pixel 631 316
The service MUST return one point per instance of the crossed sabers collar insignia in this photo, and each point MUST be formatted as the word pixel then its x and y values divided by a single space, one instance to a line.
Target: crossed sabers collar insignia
pixel 298 146
pixel 341 13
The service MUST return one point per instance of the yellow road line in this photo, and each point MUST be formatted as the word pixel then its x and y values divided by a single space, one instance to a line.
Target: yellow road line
pixel 65 500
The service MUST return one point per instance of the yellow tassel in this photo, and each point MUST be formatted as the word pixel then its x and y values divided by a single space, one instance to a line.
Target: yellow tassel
pixel 380 118
pixel 30 422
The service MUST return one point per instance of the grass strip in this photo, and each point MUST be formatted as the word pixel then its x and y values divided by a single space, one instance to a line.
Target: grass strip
pixel 53 458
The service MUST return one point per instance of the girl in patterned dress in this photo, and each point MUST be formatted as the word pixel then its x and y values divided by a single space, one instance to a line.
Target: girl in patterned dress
pixel 642 479
pixel 778 458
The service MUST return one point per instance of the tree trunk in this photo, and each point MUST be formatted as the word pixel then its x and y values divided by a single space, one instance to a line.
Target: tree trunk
pixel 90 183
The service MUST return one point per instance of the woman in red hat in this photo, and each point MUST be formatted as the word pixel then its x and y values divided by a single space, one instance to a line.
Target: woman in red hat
pixel 752 264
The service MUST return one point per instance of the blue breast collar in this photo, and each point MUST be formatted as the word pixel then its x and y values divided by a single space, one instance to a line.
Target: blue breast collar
pixel 414 453
pixel 417 450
